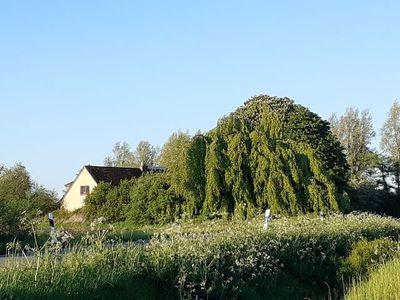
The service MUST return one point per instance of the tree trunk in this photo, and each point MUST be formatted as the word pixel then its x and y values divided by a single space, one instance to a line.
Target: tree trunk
pixel 397 180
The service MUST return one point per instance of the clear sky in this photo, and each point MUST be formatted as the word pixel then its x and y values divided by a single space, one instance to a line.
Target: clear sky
pixel 78 76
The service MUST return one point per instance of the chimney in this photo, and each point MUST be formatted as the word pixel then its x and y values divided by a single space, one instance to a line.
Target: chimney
pixel 143 167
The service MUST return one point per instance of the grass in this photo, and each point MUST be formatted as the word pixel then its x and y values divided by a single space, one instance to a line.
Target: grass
pixel 123 232
pixel 296 258
pixel 382 284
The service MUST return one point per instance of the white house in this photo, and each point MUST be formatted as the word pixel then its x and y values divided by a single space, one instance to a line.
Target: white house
pixel 89 177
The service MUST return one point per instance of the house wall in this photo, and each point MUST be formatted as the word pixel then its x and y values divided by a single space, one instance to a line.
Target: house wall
pixel 73 199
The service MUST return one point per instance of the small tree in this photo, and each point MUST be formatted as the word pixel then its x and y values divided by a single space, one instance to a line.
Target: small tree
pixel 122 156
pixel 390 143
pixel 174 150
pixel 355 131
pixel 146 153
pixel 20 196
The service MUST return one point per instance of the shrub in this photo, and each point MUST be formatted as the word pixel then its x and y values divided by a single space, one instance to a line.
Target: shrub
pixel 109 201
pixel 366 255
pixel 21 198
pixel 153 201
pixel 146 200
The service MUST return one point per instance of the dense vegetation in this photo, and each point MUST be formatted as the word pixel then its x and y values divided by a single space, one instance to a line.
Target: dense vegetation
pixel 383 284
pixel 21 198
pixel 208 260
pixel 147 200
pixel 374 173
pixel 269 153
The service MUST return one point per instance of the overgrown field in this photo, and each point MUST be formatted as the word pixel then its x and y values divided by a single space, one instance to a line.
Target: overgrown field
pixel 384 283
pixel 296 258
pixel 123 231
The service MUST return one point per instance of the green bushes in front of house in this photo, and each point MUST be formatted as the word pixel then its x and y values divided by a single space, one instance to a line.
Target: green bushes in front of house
pixel 149 199
pixel 269 153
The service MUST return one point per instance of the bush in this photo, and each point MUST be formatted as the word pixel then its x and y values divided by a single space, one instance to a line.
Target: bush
pixel 147 200
pixel 21 198
pixel 108 201
pixel 368 198
pixel 366 255
pixel 153 201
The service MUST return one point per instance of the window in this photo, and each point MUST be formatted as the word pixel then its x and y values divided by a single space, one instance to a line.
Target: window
pixel 84 190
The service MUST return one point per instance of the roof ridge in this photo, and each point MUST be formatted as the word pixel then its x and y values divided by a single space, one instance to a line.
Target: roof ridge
pixel 111 167
pixel 112 174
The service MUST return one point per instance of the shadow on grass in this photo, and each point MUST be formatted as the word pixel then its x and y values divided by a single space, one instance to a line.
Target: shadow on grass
pixel 128 288
pixel 286 287
pixel 42 238
pixel 24 239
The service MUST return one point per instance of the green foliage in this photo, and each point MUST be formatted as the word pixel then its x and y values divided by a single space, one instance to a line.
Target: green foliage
pixel 355 131
pixel 366 255
pixel 146 200
pixel 173 157
pixel 96 199
pixel 122 156
pixel 390 144
pixel 376 193
pixel 269 153
pixel 218 200
pixel 194 186
pixel 40 198
pixel 382 284
pixel 184 158
pixel 390 135
pixel 20 198
pixel 109 201
pixel 153 201
pixel 367 197
pixel 145 153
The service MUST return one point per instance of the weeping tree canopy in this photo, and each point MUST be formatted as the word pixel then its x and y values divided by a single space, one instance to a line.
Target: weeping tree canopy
pixel 270 153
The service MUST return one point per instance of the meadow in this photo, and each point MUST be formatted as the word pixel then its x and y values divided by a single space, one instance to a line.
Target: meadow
pixel 383 283
pixel 295 258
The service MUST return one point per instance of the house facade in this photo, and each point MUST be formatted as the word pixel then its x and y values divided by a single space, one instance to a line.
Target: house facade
pixel 88 178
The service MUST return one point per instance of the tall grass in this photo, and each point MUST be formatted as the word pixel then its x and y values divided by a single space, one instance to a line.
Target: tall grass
pixel 383 284
pixel 207 260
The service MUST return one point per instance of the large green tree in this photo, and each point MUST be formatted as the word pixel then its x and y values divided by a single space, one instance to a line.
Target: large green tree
pixel 183 158
pixel 271 153
pixel 355 132
pixel 390 143
pixel 173 157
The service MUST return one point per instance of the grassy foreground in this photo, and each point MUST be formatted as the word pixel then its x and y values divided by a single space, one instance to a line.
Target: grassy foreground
pixel 296 258
pixel 383 284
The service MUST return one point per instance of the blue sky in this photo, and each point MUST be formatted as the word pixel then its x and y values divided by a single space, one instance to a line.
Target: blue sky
pixel 78 76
